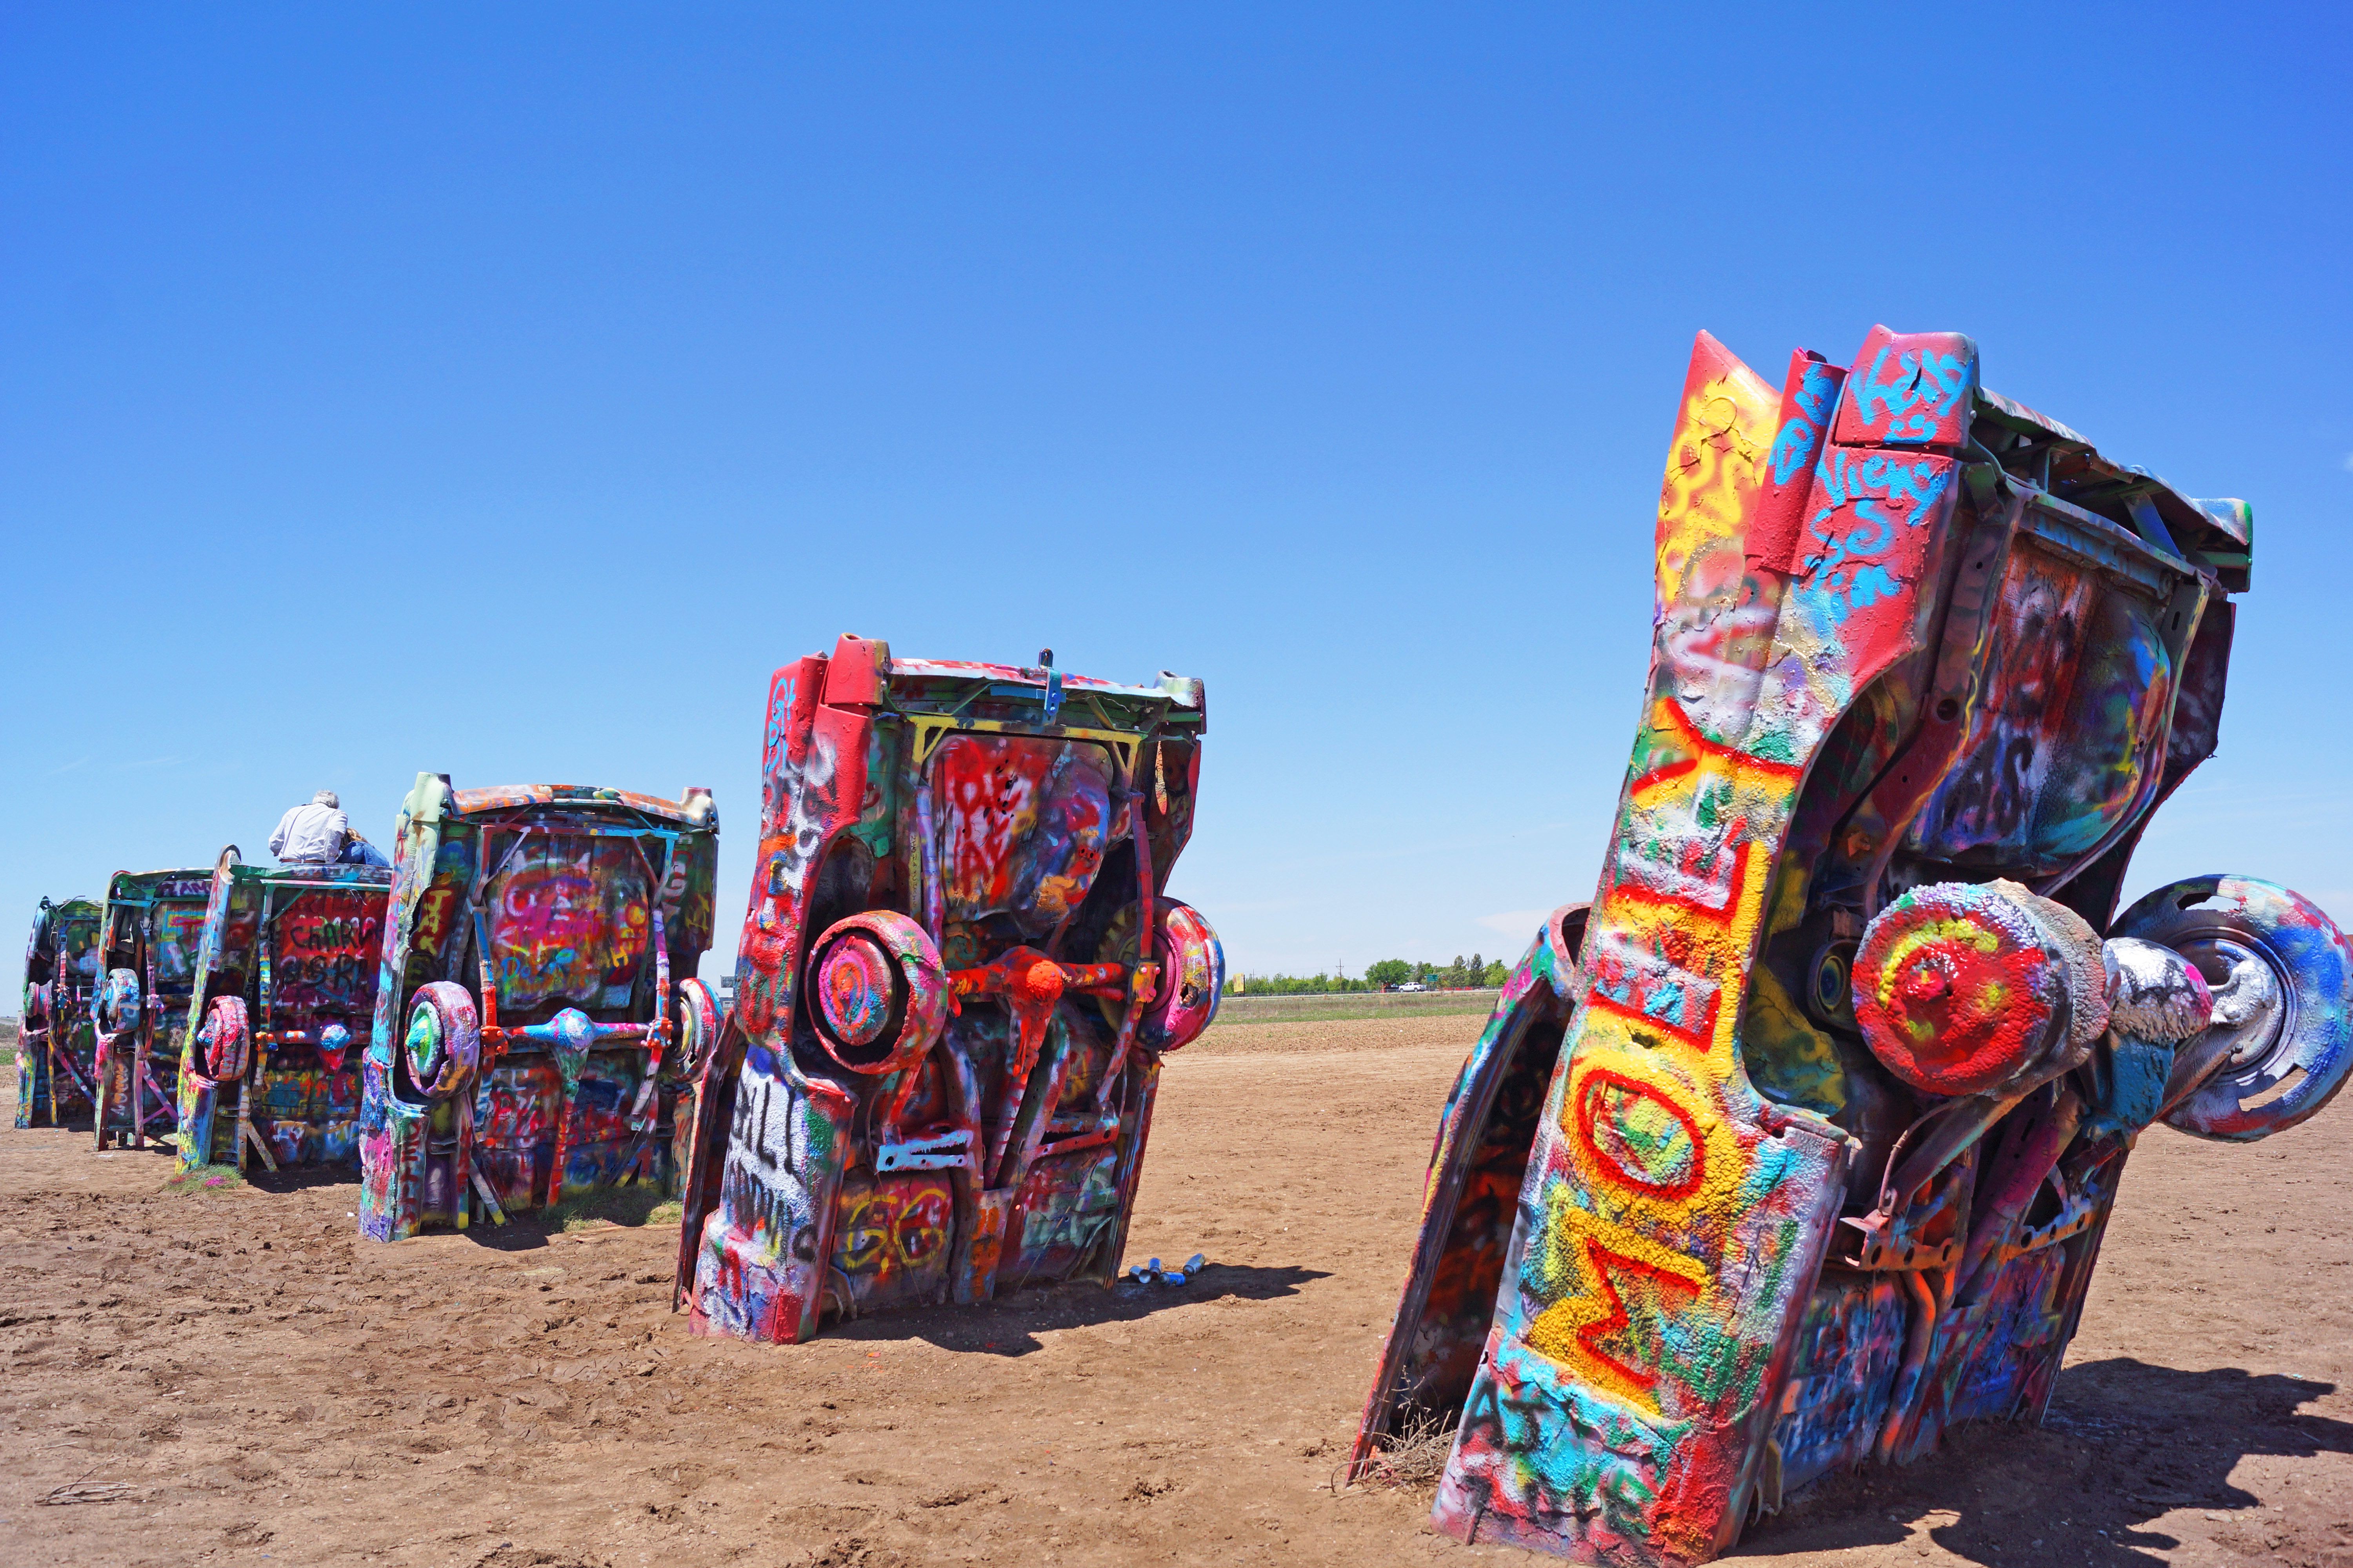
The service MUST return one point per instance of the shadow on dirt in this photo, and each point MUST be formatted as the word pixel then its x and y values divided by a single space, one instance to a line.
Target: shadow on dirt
pixel 1009 1325
pixel 631 1207
pixel 524 1232
pixel 300 1178
pixel 2123 1445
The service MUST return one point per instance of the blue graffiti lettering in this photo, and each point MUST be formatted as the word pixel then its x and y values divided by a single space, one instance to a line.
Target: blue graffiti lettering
pixel 1816 390
pixel 780 716
pixel 1817 394
pixel 1869 585
pixel 1790 447
pixel 1921 392
pixel 1875 536
pixel 1846 567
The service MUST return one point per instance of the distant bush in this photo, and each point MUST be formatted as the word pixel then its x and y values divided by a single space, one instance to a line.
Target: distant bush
pixel 1293 985
pixel 1461 974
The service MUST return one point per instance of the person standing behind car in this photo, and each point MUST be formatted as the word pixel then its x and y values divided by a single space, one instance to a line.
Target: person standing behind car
pixel 318 834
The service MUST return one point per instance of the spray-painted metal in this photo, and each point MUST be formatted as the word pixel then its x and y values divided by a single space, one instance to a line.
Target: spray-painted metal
pixel 1796 1146
pixel 537 1012
pixel 149 931
pixel 284 999
pixel 958 974
pixel 57 1050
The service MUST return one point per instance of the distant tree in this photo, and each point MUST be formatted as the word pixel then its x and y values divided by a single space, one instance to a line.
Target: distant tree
pixel 1291 985
pixel 1477 973
pixel 1497 973
pixel 1389 972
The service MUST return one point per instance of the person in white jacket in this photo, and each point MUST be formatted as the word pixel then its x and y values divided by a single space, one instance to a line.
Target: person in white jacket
pixel 318 834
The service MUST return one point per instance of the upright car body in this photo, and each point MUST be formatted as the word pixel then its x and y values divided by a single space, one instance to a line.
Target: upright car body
pixel 958 974
pixel 1795 1147
pixel 279 1011
pixel 56 1051
pixel 538 999
pixel 149 932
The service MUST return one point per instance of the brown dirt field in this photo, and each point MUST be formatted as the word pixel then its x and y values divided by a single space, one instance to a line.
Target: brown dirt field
pixel 262 1386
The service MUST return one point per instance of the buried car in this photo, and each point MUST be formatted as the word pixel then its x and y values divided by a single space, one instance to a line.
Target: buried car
pixel 147 941
pixel 56 1049
pixel 537 1008
pixel 1794 1148
pixel 958 974
pixel 285 988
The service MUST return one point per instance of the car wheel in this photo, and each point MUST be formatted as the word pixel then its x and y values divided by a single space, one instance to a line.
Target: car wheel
pixel 2282 976
pixel 444 1040
pixel 224 1037
pixel 696 1023
pixel 877 991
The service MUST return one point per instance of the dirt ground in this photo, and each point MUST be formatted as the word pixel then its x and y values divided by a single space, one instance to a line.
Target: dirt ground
pixel 253 1385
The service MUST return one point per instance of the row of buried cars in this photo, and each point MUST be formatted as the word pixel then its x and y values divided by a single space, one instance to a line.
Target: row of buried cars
pixel 959 972
pixel 1789 1151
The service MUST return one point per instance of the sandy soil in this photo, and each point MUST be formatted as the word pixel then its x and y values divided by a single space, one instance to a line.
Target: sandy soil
pixel 260 1387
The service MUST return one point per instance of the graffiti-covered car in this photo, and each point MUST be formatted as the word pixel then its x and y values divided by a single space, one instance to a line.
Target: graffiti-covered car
pixel 56 1049
pixel 148 929
pixel 1794 1148
pixel 958 974
pixel 284 996
pixel 538 1006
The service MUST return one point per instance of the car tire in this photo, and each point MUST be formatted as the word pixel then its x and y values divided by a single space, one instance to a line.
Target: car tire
pixel 226 1038
pixel 443 1041
pixel 2287 1067
pixel 876 990
pixel 696 1022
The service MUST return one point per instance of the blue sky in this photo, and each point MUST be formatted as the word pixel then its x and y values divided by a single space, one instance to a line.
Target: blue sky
pixel 506 391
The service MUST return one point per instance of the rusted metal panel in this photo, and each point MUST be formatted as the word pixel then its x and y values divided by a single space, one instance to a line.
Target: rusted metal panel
pixel 1852 1055
pixel 957 976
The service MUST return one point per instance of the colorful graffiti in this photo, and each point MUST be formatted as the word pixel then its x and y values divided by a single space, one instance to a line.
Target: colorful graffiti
pixel 538 1023
pixel 283 979
pixel 1022 824
pixel 571 922
pixel 1836 1112
pixel 56 1053
pixel 958 974
pixel 329 944
pixel 148 936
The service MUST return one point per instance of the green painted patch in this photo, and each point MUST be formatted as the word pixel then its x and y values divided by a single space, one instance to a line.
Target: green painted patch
pixel 613 1205
pixel 205 1179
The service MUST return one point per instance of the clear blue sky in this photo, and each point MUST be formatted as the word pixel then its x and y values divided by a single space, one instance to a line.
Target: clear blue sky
pixel 505 390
